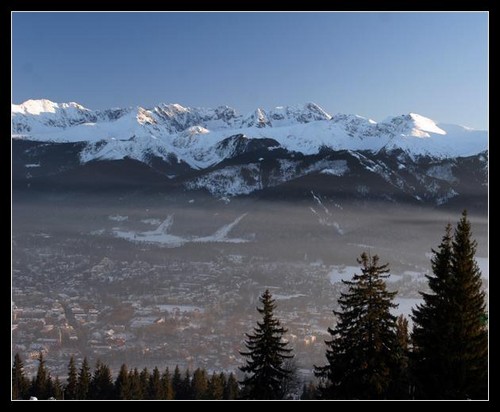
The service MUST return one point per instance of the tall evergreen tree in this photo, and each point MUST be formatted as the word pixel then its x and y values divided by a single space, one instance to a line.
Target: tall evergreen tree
pixel 31 388
pixel 144 379
pixel 265 374
pixel 57 390
pixel 185 391
pixel 70 391
pixel 177 382
pixel 101 386
pixel 432 326
pixel 135 385
pixel 20 383
pixel 167 387
pixel 216 385
pixel 450 334
pixel 41 387
pixel 155 385
pixel 84 378
pixel 50 388
pixel 231 389
pixel 199 384
pixel 361 353
pixel 122 383
pixel 401 387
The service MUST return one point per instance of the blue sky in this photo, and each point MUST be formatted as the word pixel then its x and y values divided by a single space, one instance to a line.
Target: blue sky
pixel 371 64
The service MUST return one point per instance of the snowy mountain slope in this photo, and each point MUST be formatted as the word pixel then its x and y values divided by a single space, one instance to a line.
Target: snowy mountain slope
pixel 194 135
pixel 283 153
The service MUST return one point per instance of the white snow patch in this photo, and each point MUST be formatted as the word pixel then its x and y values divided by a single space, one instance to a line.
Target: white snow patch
pixel 339 273
pixel 337 168
pixel 425 124
pixel 229 181
pixel 325 218
pixel 287 297
pixel 161 235
pixel 118 218
pixel 151 237
pixel 151 221
pixel 337 227
pixel 443 172
pixel 35 107
pixel 221 234
pixel 362 245
pixel 451 193
pixel 394 278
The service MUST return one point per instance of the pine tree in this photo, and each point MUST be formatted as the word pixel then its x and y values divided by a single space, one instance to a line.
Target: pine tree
pixel 432 326
pixel 50 388
pixel 57 391
pixel 216 385
pixel 71 387
pixel 177 382
pixel 401 385
pixel 20 383
pixel 155 385
pixel 84 378
pixel 361 353
pixel 185 391
pixel 231 389
pixel 101 385
pixel 167 387
pixel 144 379
pixel 199 384
pixel 266 353
pixel 122 383
pixel 135 385
pixel 450 334
pixel 31 387
pixel 41 387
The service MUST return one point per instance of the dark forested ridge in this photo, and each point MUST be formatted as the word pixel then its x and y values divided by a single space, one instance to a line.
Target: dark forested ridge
pixel 371 354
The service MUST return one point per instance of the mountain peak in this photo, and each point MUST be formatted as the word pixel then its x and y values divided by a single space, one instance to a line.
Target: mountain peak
pixel 173 108
pixel 313 107
pixel 413 124
pixel 34 106
pixel 40 106
pixel 425 124
pixel 306 113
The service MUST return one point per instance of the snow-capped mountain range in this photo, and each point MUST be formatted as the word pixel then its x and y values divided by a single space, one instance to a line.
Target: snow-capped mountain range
pixel 286 152
pixel 196 135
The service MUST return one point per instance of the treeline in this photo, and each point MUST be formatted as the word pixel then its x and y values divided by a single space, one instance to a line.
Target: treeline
pixel 371 354
pixel 83 384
